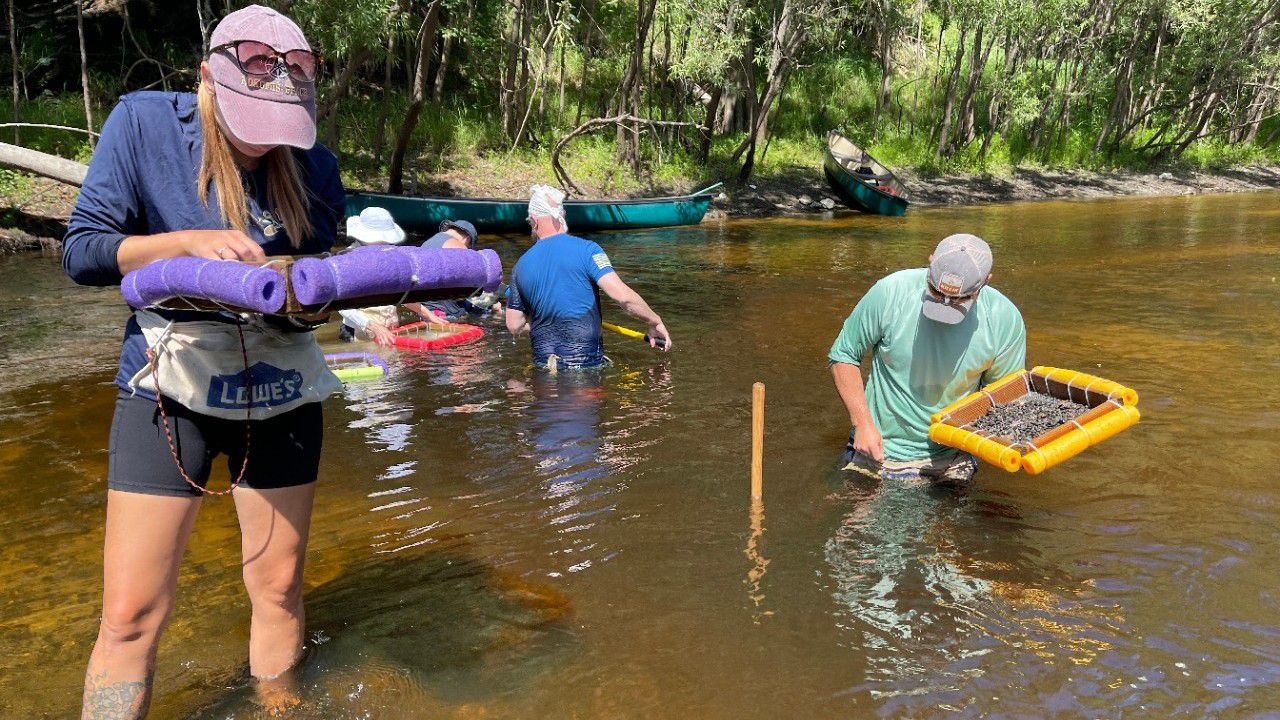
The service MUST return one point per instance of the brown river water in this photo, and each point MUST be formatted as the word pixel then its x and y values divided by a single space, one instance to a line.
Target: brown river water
pixel 492 543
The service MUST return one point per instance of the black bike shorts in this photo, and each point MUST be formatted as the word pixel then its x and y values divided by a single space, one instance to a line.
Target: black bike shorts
pixel 284 451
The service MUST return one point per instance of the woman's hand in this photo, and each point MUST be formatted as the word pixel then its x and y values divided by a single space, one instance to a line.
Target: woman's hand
pixel 138 250
pixel 221 245
pixel 381 334
pixel 868 442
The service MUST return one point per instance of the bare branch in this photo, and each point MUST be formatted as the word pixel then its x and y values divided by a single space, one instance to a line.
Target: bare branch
pixel 624 120
pixel 49 127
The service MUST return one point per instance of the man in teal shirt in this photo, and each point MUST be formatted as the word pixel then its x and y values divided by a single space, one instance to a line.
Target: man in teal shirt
pixel 934 334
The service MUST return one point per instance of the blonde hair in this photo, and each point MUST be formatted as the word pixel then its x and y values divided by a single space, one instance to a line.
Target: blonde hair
pixel 286 193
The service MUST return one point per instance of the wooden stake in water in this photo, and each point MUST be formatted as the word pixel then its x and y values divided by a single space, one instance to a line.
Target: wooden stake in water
pixel 757 440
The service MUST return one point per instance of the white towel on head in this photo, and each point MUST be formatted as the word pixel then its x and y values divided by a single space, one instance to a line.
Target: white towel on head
pixel 546 201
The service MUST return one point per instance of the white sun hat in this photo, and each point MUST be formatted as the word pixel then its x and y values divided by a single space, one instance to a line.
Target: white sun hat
pixel 374 226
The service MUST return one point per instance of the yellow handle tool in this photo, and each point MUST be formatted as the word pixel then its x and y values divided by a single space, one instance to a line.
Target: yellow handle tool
pixel 628 332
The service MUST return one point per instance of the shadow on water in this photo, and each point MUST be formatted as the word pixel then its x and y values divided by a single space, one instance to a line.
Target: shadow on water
pixel 438 633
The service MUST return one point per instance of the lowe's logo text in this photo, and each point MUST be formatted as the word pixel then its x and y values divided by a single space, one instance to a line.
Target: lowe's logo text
pixel 269 385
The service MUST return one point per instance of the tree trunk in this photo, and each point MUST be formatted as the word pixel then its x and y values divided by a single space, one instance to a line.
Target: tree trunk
pixel 628 139
pixel 1037 129
pixel 760 133
pixel 13 61
pixel 507 96
pixel 539 85
pixel 328 110
pixel 663 94
pixel 1011 50
pixel 977 64
pixel 544 71
pixel 522 87
pixel 582 90
pixel 84 72
pixel 709 125
pixel 680 88
pixel 563 43
pixel 1258 109
pixel 886 77
pixel 437 92
pixel 788 36
pixel 948 106
pixel 203 11
pixel 380 129
pixel 1197 130
pixel 1119 105
pixel 395 180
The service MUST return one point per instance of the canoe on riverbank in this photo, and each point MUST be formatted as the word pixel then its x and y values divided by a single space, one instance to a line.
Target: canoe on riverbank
pixel 424 215
pixel 846 166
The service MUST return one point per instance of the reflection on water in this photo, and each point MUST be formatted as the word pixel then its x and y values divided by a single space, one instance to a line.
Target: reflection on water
pixel 759 563
pixel 51 329
pixel 915 595
pixel 491 542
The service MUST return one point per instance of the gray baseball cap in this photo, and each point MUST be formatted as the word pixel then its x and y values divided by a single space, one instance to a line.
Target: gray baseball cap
pixel 959 269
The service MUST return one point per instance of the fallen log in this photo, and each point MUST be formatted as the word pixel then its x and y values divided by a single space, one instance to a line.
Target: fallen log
pixel 44 164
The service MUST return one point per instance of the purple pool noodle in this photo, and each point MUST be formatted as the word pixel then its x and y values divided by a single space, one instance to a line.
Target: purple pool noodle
pixel 456 268
pixel 370 271
pixel 384 271
pixel 492 270
pixel 230 283
pixel 367 357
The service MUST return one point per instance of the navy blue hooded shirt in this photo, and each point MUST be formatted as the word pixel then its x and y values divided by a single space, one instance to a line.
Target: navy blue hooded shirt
pixel 142 181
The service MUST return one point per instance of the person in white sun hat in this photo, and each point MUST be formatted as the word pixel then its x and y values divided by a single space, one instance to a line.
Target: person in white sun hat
pixel 934 335
pixel 375 226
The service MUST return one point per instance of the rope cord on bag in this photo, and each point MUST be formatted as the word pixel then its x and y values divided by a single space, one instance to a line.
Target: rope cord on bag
pixel 153 359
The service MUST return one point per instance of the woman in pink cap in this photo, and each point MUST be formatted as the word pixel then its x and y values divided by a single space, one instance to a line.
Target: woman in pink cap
pixel 231 172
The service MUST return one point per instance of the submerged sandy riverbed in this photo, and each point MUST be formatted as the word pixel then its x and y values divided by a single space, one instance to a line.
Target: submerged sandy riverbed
pixel 491 544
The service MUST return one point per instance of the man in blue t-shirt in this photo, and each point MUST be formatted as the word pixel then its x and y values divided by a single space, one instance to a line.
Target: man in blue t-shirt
pixel 555 290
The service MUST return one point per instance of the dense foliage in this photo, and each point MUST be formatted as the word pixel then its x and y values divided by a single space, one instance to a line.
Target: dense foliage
pixel 938 84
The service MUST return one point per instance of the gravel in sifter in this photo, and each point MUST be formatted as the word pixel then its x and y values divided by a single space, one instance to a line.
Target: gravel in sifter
pixel 1029 417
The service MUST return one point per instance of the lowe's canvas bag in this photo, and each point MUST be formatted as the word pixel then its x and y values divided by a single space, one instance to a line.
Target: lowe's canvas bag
pixel 201 365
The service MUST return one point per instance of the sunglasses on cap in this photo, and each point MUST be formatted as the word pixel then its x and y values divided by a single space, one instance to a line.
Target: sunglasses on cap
pixel 261 60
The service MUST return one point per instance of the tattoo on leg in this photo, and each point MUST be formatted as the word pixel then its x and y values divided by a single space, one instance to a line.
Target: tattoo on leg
pixel 127 700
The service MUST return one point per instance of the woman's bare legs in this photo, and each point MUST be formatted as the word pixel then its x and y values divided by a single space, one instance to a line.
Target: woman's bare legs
pixel 145 539
pixel 273 536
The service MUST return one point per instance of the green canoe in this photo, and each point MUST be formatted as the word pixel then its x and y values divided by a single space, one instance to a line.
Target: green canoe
pixel 424 215
pixel 860 181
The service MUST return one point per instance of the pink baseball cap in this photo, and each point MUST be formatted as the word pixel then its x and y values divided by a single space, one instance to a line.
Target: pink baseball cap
pixel 271 110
